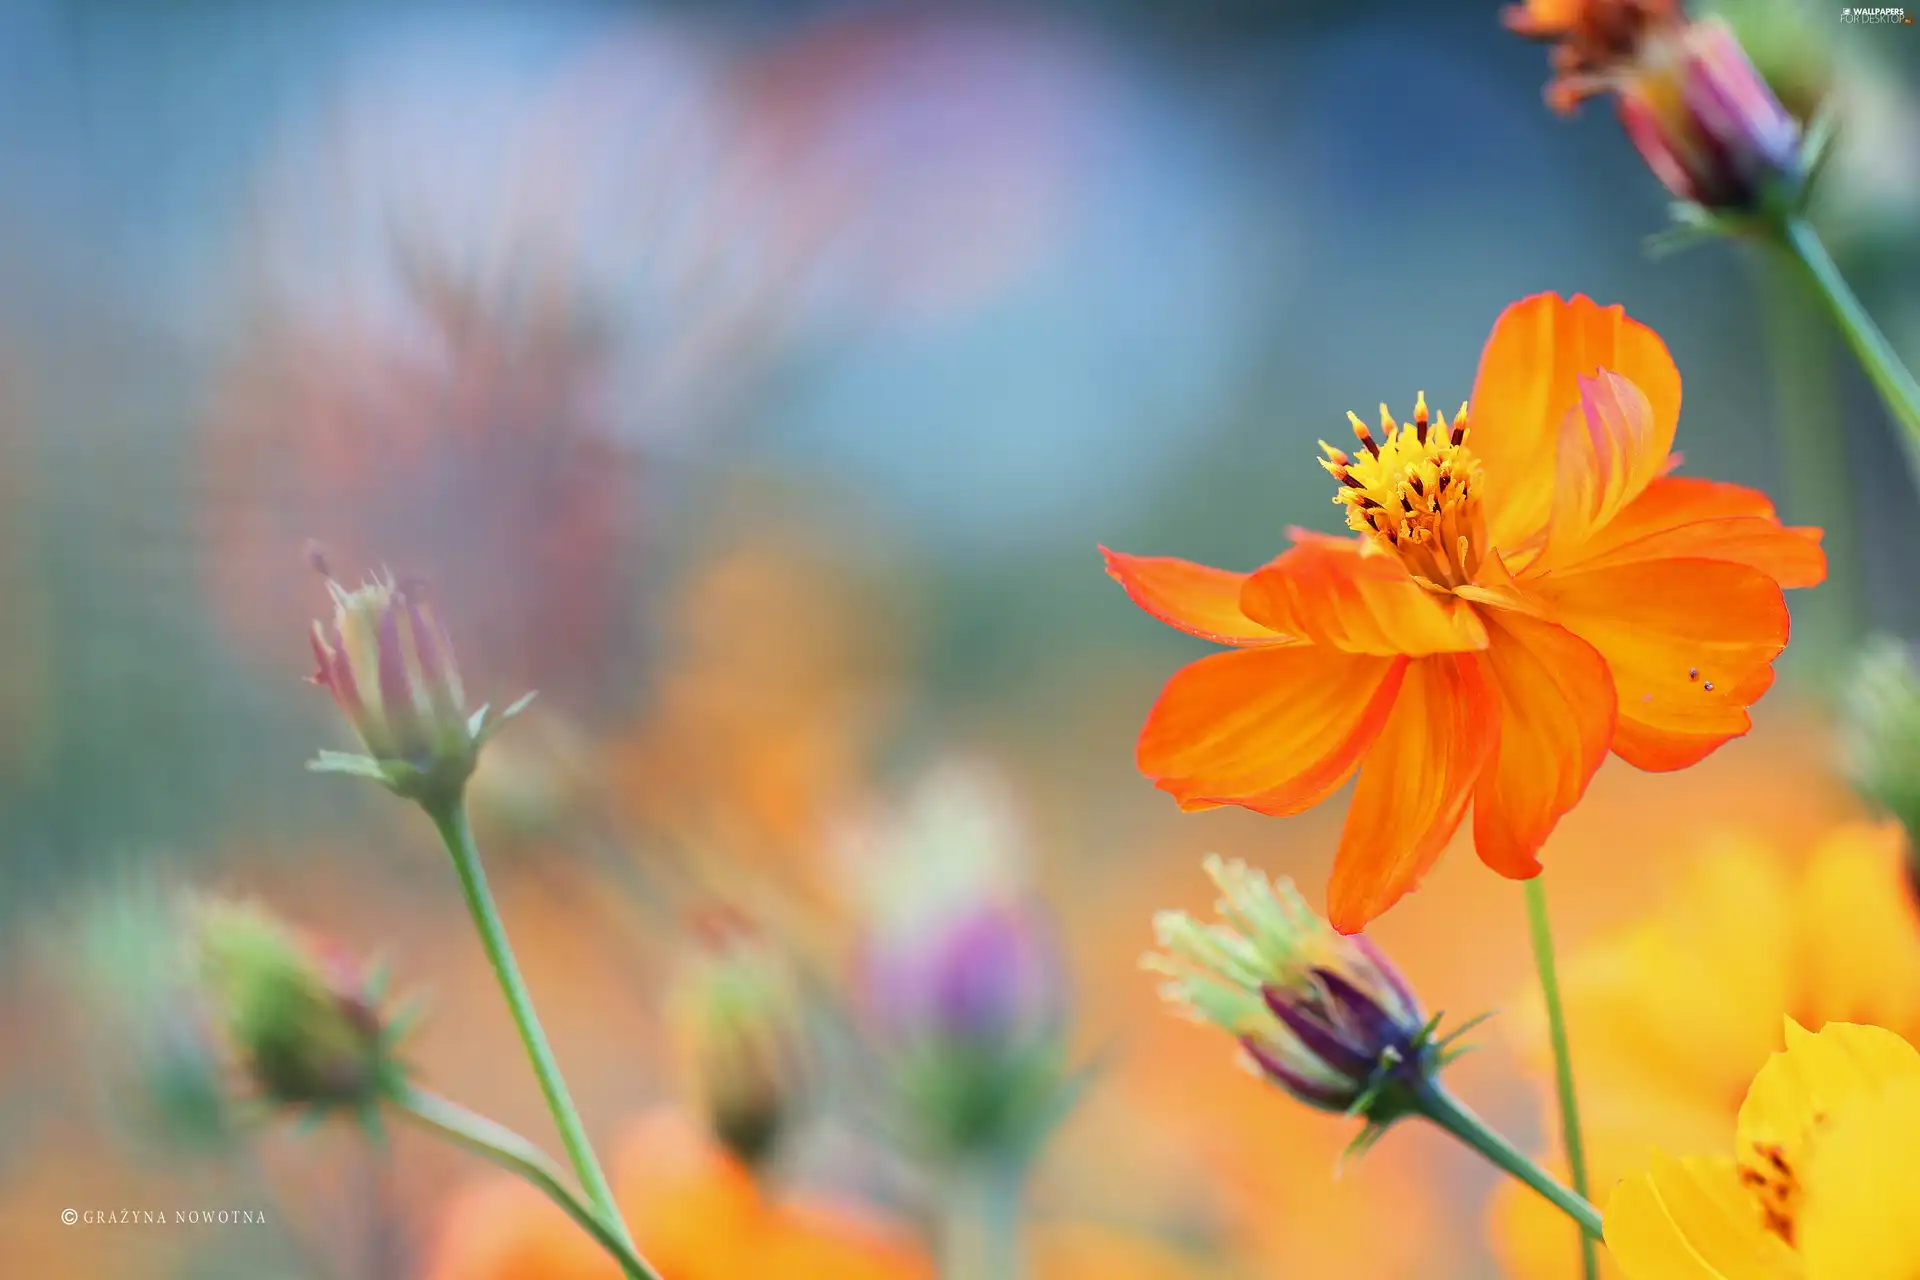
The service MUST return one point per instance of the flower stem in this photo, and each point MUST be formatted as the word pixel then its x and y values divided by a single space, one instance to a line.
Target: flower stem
pixel 1817 466
pixel 1542 934
pixel 451 820
pixel 516 1155
pixel 1884 368
pixel 1453 1115
pixel 980 1223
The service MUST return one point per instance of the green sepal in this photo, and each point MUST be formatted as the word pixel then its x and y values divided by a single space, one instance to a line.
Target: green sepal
pixel 479 728
pixel 348 762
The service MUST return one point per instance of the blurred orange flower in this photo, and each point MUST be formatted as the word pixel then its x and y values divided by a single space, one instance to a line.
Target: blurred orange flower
pixel 1670 1022
pixel 1506 613
pixel 1590 39
pixel 760 738
pixel 695 1211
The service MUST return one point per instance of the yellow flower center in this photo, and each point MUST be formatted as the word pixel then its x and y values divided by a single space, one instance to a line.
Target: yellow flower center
pixel 1416 493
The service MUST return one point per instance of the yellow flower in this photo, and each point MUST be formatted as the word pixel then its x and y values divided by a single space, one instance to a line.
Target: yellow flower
pixel 1822 1187
pixel 1670 1020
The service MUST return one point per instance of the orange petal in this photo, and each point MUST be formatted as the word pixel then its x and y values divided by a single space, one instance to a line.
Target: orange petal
pixel 1414 787
pixel 1691 645
pixel 1556 723
pixel 1707 520
pixel 1529 380
pixel 1274 729
pixel 1199 600
pixel 1608 455
pixel 1340 593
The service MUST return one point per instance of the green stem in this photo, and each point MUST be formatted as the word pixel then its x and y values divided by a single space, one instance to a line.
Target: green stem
pixel 1882 363
pixel 1817 465
pixel 980 1223
pixel 1542 934
pixel 451 820
pixel 517 1156
pixel 1453 1115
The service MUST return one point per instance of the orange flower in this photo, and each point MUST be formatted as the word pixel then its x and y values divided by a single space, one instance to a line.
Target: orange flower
pixel 1591 39
pixel 1509 611
pixel 695 1210
pixel 1671 1020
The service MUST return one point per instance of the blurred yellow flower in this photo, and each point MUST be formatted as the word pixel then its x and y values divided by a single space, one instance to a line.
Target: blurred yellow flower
pixel 1671 1020
pixel 1823 1185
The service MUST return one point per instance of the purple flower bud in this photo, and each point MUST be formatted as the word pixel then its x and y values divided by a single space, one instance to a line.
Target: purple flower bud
pixel 1707 123
pixel 985 976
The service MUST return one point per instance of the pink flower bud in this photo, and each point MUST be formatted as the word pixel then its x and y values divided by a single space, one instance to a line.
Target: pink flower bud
pixel 1706 121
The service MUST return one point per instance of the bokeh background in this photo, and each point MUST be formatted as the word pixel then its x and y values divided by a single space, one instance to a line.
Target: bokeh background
pixel 757 381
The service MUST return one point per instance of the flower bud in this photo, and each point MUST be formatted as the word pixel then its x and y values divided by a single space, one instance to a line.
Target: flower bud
pixel 389 665
pixel 737 1019
pixel 962 988
pixel 1791 44
pixel 147 1034
pixel 301 1016
pixel 1881 742
pixel 1707 123
pixel 1323 1015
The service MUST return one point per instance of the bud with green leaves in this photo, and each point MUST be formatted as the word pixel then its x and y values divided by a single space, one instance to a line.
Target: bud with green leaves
pixel 962 990
pixel 390 667
pixel 737 1017
pixel 1323 1015
pixel 302 1017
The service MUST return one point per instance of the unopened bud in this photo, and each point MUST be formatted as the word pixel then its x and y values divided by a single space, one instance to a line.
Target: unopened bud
pixel 1323 1015
pixel 301 1016
pixel 962 988
pixel 390 667
pixel 738 1022
pixel 1707 123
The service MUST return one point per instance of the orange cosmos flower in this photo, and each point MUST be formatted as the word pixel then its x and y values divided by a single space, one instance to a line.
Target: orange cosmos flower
pixel 1523 594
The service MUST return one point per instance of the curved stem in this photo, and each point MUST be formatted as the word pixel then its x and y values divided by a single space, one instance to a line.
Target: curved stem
pixel 1884 368
pixel 451 820
pixel 1542 934
pixel 1447 1111
pixel 517 1156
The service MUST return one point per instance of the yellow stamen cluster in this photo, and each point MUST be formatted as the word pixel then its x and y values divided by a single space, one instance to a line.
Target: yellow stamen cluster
pixel 1416 492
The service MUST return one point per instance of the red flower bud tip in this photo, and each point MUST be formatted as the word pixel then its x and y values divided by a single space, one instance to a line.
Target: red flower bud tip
pixel 390 667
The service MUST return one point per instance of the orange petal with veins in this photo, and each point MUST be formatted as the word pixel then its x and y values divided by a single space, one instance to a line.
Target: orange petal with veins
pixel 1690 643
pixel 1556 723
pixel 1414 787
pixel 1199 600
pixel 1275 729
pixel 1529 379
pixel 1708 520
pixel 1338 593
